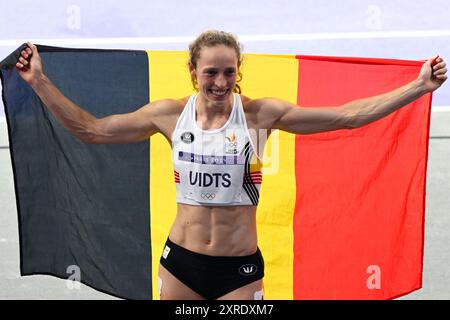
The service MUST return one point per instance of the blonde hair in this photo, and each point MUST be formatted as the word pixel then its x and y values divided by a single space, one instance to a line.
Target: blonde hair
pixel 213 38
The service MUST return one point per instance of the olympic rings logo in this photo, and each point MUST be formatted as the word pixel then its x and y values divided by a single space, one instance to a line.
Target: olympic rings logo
pixel 208 196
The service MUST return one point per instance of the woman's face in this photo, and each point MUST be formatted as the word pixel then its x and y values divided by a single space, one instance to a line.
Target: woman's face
pixel 216 73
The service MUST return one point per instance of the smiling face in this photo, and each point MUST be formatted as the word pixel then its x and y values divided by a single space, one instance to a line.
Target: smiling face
pixel 216 73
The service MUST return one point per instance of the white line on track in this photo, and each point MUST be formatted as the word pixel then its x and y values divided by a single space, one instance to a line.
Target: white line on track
pixel 243 38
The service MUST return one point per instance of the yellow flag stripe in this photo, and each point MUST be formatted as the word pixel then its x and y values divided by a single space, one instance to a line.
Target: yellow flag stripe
pixel 264 75
pixel 275 76
pixel 169 78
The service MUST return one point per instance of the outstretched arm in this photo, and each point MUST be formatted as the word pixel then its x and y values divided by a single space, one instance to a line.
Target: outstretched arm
pixel 120 128
pixel 283 115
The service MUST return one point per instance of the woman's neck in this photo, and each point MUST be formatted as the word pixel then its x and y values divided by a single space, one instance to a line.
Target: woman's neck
pixel 210 115
pixel 210 110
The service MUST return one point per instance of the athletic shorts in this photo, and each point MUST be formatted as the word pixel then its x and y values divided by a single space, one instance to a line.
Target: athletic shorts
pixel 211 276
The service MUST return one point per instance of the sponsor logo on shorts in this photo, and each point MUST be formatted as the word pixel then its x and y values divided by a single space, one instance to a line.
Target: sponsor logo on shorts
pixel 248 269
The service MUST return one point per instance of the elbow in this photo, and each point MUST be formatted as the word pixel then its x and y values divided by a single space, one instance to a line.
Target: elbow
pixel 88 139
pixel 349 120
pixel 352 125
pixel 89 133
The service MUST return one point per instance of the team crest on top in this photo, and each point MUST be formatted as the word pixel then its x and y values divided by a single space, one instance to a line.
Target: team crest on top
pixel 187 137
pixel 231 143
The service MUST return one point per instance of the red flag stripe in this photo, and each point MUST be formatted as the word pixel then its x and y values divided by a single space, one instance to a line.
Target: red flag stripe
pixel 360 193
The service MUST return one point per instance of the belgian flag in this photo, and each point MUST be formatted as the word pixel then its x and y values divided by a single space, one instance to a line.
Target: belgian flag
pixel 341 213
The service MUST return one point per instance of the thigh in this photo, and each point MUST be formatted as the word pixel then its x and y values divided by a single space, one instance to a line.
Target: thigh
pixel 170 288
pixel 251 291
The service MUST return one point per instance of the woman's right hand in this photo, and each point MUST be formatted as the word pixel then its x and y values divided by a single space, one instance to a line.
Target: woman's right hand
pixel 29 65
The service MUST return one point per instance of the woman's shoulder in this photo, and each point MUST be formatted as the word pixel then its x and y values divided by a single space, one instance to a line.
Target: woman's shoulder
pixel 170 106
pixel 249 104
pixel 245 99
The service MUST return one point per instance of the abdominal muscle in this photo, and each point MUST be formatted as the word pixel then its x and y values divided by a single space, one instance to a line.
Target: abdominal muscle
pixel 216 231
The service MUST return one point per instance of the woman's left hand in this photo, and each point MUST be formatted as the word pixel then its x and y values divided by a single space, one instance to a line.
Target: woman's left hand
pixel 433 74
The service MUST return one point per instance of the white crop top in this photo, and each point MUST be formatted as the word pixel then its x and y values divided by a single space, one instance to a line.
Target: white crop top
pixel 216 167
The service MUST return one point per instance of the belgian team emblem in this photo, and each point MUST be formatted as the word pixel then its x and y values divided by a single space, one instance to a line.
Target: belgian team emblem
pixel 231 143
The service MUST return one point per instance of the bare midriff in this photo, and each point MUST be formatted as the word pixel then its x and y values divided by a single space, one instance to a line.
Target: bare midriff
pixel 216 230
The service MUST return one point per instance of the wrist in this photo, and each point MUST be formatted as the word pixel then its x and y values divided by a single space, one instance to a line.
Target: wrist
pixel 420 87
pixel 37 80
